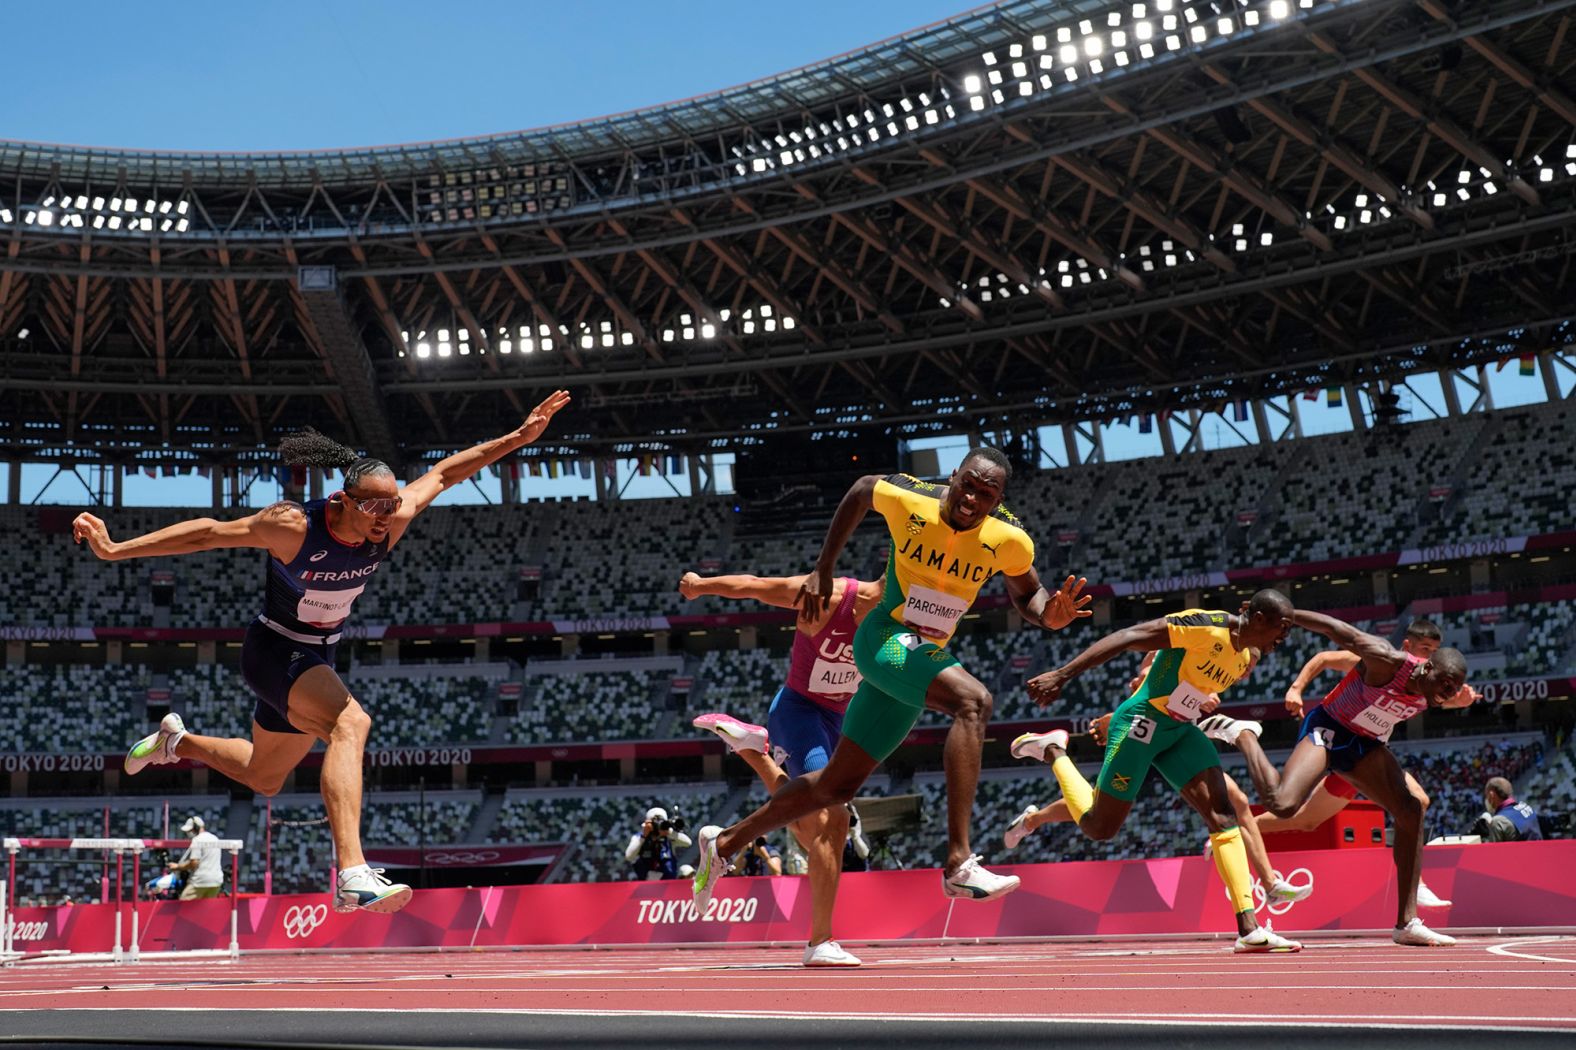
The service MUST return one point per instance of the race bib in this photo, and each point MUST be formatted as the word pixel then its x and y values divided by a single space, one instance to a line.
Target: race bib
pixel 1186 702
pixel 1141 729
pixel 932 613
pixel 1376 720
pixel 834 678
pixel 327 608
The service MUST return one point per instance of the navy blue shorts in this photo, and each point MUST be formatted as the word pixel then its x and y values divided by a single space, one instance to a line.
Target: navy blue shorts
pixel 271 663
pixel 1343 748
pixel 803 730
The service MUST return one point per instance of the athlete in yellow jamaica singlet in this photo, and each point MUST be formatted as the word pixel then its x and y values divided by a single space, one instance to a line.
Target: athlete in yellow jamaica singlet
pixel 948 541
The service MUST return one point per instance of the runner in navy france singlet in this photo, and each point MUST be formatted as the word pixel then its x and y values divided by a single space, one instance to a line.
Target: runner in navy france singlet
pixel 310 598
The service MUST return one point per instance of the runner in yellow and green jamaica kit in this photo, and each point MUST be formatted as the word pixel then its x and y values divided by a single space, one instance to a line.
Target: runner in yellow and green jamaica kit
pixel 1199 652
pixel 948 541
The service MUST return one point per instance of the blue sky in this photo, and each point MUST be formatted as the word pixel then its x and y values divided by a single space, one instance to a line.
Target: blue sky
pixel 291 74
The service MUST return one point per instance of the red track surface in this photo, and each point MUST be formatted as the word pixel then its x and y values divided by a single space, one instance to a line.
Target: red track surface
pixel 1483 981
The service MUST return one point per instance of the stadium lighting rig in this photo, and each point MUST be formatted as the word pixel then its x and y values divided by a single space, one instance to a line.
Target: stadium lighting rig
pixel 525 340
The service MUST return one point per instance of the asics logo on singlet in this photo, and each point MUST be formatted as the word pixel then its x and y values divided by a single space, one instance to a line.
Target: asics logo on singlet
pixel 338 577
pixel 319 556
pixel 301 919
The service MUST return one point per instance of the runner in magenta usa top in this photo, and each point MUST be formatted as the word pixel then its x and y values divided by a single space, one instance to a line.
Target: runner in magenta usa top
pixel 803 724
pixel 1347 734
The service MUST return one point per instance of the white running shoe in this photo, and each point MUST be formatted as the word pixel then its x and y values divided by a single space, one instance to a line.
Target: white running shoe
pixel 976 883
pixel 1226 729
pixel 829 953
pixel 1032 745
pixel 739 736
pixel 709 868
pixel 367 890
pixel 1264 939
pixel 1283 892
pixel 1019 829
pixel 1417 935
pixel 156 749
pixel 1427 898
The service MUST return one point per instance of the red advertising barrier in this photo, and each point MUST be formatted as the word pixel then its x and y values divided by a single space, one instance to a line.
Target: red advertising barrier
pixel 1510 884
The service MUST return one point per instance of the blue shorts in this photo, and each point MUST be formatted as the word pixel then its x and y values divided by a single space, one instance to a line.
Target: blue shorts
pixel 1343 749
pixel 803 730
pixel 271 663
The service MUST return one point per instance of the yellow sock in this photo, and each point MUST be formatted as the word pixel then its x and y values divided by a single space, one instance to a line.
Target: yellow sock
pixel 1075 789
pixel 1231 860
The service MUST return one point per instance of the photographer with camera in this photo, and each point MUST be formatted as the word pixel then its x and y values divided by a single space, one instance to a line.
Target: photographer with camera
pixel 653 853
pixel 761 858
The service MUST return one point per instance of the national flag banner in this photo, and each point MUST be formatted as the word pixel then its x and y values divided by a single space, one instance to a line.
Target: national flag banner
pixel 497 471
pixel 610 469
pixel 514 470
pixel 131 470
pixel 675 464
pixel 552 468
pixel 1529 364
pixel 1146 424
pixel 1332 396
pixel 169 470
pixel 298 477
pixel 1239 411
pixel 204 471
pixel 1311 394
pixel 585 469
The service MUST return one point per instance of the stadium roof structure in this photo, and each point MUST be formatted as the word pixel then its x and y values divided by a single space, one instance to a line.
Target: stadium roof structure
pixel 1039 211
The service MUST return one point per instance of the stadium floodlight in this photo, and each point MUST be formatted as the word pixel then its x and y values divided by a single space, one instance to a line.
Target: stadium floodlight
pixel 1096 66
pixel 1440 200
pixel 114 222
pixel 1361 201
pixel 423 350
pixel 1026 87
pixel 1463 194
pixel 505 347
pixel 164 207
pixel 1139 10
pixel 1199 34
pixel 971 84
pixel 82 202
pixel 997 97
pixel 1306 5
pixel 1570 151
pixel 1251 17
pixel 1242 244
pixel 1020 70
pixel 1169 23
pixel 1093 45
pixel 1224 27
pixel 1163 5
pixel 5 215
pixel 976 103
pixel 1279 9
pixel 1118 39
pixel 1266 238
pixel 994 76
pixel 1147 50
pixel 1069 55
pixel 1113 19
pixel 1489 188
pixel 1173 42
pixel 1365 216
pixel 1190 14
pixel 1038 41
pixel 1086 27
pixel 46 218
pixel 989 58
pixel 1464 177
pixel 1570 169
pixel 1015 51
pixel 1045 60
pixel 1121 58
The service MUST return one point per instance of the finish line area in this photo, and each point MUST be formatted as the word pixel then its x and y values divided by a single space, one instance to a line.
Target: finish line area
pixel 1192 991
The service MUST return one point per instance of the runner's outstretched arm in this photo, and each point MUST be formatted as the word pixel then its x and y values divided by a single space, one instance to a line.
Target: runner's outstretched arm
pixel 1380 658
pixel 278 529
pixel 815 596
pixel 1338 660
pixel 1045 609
pixel 781 591
pixel 1045 688
pixel 460 467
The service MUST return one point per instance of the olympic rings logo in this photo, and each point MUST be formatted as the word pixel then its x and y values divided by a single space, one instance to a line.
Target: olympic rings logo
pixel 301 919
pixel 481 856
pixel 30 931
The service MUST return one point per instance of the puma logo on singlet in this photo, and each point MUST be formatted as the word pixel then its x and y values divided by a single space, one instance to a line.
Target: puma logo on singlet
pixel 987 546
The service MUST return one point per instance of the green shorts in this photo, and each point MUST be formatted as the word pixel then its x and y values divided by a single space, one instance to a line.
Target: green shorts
pixel 897 666
pixel 1141 736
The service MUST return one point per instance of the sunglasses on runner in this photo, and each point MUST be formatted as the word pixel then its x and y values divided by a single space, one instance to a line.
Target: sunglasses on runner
pixel 375 506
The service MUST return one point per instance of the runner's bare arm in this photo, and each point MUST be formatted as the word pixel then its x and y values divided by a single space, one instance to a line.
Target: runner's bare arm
pixel 1049 610
pixel 815 596
pixel 1380 659
pixel 1337 660
pixel 781 591
pixel 278 529
pixel 462 466
pixel 1143 636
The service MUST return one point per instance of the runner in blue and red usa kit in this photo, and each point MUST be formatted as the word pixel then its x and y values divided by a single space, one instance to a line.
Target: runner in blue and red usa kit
pixel 322 554
pixel 1349 733
pixel 803 725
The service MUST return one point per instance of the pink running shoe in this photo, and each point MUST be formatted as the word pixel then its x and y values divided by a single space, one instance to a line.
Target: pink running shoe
pixel 739 736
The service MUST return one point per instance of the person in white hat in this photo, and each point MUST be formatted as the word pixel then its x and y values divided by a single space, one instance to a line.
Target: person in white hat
pixel 202 859
pixel 653 853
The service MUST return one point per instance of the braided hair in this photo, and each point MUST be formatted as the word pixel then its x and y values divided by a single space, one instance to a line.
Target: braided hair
pixel 308 448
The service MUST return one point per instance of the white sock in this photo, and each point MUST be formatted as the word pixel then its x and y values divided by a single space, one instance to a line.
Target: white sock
pixel 352 872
